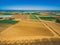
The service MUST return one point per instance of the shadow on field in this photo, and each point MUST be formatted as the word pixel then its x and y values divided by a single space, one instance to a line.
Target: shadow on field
pixel 4 26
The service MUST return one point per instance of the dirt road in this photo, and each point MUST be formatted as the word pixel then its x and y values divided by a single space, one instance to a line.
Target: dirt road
pixel 54 26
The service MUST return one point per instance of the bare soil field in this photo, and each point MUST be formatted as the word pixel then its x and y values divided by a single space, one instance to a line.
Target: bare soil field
pixel 26 27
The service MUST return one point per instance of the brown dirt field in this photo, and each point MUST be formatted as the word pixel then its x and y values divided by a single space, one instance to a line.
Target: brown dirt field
pixel 4 26
pixel 45 14
pixel 26 28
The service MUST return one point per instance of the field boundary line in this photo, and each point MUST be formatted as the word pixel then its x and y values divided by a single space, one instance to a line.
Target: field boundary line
pixel 51 29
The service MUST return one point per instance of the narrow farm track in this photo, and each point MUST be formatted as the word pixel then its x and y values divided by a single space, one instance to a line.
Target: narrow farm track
pixel 47 26
pixel 54 26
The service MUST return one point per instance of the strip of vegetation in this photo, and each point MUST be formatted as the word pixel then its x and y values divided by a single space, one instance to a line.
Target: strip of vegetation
pixel 48 18
pixel 9 21
pixel 33 17
pixel 35 13
pixel 7 14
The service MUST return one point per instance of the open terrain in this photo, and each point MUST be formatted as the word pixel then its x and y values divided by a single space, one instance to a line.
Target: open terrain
pixel 27 26
pixel 29 30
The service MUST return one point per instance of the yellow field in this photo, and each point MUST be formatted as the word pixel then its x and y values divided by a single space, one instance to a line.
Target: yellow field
pixel 26 27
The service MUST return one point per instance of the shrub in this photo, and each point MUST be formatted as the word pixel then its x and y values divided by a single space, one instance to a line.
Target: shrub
pixel 58 20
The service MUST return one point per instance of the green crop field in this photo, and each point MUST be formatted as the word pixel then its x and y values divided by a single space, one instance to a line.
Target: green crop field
pixel 48 18
pixel 8 21
pixel 35 13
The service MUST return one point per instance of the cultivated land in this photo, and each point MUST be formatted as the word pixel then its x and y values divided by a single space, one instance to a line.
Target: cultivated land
pixel 55 26
pixel 28 27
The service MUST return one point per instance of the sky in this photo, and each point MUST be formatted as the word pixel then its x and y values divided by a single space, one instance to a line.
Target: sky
pixel 29 4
